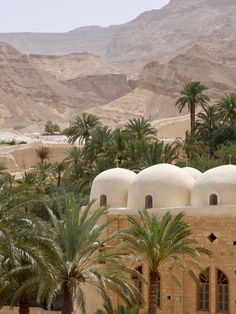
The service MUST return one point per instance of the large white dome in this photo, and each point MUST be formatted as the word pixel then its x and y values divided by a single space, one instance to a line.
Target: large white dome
pixel 218 184
pixel 193 172
pixel 114 185
pixel 167 185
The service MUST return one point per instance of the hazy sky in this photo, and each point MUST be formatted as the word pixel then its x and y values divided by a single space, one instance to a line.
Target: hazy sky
pixel 64 15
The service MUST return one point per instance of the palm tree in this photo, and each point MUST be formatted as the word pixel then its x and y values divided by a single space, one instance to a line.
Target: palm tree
pixel 44 171
pixel 83 255
pixel 192 145
pixel 227 108
pixel 43 153
pixel 208 120
pixel 58 169
pixel 23 241
pixel 162 242
pixel 80 129
pixel 140 128
pixel 207 124
pixel 98 145
pixel 192 95
pixel 157 152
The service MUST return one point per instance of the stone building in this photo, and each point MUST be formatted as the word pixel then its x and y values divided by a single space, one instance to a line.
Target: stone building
pixel 209 203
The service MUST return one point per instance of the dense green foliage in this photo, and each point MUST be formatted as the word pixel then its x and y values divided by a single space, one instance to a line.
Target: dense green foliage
pixel 50 247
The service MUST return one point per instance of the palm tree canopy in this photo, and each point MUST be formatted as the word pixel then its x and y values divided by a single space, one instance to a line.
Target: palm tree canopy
pixel 140 128
pixel 227 108
pixel 162 241
pixel 82 252
pixel 80 129
pixel 192 93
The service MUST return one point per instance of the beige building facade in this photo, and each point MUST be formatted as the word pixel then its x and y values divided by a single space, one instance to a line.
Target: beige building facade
pixel 209 203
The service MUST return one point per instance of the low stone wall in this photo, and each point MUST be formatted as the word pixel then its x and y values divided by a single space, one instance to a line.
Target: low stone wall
pixel 20 158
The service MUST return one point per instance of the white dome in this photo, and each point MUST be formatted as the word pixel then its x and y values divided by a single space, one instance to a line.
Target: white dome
pixel 218 182
pixel 193 172
pixel 114 184
pixel 168 185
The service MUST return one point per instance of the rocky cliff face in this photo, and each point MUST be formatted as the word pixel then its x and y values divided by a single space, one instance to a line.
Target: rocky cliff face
pixel 152 33
pixel 32 92
pixel 184 41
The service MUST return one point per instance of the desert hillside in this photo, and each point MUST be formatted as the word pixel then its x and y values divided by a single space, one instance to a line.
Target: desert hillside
pixel 159 85
pixel 157 32
pixel 118 72
pixel 33 90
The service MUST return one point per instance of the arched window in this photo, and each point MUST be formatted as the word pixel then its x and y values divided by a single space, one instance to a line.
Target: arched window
pixel 203 292
pixel 139 284
pixel 222 292
pixel 213 199
pixel 148 202
pixel 103 200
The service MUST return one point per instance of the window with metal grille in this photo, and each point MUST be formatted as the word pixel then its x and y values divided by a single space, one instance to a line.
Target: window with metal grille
pixel 103 200
pixel 148 202
pixel 203 292
pixel 222 292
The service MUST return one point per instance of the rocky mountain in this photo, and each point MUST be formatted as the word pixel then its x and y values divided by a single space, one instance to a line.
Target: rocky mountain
pixel 33 90
pixel 158 87
pixel 57 76
pixel 157 32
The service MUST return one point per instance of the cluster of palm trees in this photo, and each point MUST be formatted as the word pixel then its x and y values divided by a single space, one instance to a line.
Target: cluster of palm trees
pixel 134 147
pixel 43 259
pixel 213 132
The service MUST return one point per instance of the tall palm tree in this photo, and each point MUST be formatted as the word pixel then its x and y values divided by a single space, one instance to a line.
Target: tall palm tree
pixel 83 256
pixel 23 240
pixel 80 129
pixel 140 128
pixel 192 95
pixel 162 242
pixel 227 108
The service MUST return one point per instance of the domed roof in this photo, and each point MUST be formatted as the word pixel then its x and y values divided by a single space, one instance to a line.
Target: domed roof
pixel 219 181
pixel 168 185
pixel 114 184
pixel 193 172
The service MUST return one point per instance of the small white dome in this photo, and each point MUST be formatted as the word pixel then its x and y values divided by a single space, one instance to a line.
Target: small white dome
pixel 219 183
pixel 168 185
pixel 193 172
pixel 113 184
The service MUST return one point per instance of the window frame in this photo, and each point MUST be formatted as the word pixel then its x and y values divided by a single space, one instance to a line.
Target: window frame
pixel 102 202
pixel 208 282
pixel 138 283
pixel 211 203
pixel 148 197
pixel 217 291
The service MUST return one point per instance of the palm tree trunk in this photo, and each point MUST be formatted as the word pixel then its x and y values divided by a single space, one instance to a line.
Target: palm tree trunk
pixel 67 305
pixel 192 117
pixel 59 180
pixel 24 304
pixel 153 293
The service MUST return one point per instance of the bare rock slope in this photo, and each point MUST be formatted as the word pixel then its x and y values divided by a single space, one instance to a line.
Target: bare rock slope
pixel 159 85
pixel 32 92
pixel 160 50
